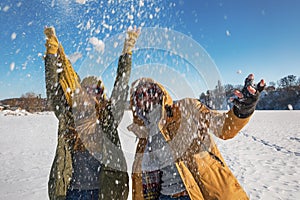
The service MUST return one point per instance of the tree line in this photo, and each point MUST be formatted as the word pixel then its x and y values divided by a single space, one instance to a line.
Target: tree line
pixel 280 95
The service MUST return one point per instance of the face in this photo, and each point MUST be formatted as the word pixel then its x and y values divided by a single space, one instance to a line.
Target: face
pixel 94 91
pixel 147 96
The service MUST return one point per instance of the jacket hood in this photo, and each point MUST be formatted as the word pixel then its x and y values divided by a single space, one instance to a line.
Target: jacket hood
pixel 166 98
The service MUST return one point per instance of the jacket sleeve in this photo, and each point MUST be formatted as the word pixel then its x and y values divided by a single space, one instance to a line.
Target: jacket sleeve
pixel 224 125
pixel 51 45
pixel 120 89
pixel 55 94
pixel 232 125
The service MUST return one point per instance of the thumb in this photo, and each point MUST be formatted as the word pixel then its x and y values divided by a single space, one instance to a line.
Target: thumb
pixel 261 85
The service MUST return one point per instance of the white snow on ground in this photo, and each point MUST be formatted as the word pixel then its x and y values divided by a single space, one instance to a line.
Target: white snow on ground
pixel 265 156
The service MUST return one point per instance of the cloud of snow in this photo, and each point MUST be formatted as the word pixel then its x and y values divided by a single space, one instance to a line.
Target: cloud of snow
pixel 98 44
pixel 74 57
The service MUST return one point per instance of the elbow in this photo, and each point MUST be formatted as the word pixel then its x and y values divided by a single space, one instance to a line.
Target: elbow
pixel 229 132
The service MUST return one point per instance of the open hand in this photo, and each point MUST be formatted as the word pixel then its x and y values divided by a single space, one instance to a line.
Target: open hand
pixel 245 103
pixel 131 37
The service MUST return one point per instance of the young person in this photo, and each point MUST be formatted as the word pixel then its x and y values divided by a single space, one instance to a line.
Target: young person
pixel 87 129
pixel 176 156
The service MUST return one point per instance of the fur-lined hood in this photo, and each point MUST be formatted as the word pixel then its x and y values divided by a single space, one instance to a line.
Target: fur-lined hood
pixel 167 101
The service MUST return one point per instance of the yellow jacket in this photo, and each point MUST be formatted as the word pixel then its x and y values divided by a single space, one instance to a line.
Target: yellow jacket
pixel 51 45
pixel 197 158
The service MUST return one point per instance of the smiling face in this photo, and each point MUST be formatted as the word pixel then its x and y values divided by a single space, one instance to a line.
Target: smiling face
pixel 94 90
pixel 146 96
pixel 93 87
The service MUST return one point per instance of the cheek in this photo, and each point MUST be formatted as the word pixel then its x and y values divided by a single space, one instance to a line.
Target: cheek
pixel 139 103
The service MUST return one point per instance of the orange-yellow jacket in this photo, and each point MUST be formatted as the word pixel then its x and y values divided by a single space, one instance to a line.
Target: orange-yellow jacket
pixel 198 160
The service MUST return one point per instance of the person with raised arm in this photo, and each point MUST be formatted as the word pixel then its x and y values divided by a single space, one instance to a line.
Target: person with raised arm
pixel 89 162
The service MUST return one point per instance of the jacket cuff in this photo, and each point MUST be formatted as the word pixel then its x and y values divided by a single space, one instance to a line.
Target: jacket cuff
pixel 237 113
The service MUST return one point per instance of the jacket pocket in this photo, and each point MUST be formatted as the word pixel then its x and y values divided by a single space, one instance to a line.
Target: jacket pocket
pixel 216 180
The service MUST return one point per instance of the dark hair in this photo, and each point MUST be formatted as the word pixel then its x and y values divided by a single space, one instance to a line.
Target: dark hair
pixel 169 110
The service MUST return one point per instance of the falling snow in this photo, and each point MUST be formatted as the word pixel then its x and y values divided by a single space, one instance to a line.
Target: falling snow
pixel 13 36
pixel 12 66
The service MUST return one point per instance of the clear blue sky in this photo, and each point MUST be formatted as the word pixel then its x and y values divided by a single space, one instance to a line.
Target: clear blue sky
pixel 259 36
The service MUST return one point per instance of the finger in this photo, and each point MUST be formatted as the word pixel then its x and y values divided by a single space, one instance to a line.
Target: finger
pixel 261 85
pixel 238 94
pixel 251 89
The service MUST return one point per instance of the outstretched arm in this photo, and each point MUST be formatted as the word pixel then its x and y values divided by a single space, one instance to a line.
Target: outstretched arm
pixel 120 89
pixel 61 79
pixel 227 125
pixel 240 114
pixel 51 70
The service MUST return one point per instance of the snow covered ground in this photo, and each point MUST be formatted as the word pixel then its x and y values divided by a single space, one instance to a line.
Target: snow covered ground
pixel 265 156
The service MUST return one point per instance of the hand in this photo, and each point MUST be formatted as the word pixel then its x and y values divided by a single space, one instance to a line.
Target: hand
pixel 49 31
pixel 132 35
pixel 261 85
pixel 139 131
pixel 244 105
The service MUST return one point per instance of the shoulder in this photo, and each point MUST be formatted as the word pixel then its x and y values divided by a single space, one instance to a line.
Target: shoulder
pixel 188 102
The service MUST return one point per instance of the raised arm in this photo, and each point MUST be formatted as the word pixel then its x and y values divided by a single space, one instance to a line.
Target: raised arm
pixel 51 70
pixel 60 77
pixel 120 90
pixel 228 124
pixel 240 114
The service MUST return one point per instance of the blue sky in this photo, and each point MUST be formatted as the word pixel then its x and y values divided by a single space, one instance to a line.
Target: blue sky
pixel 260 37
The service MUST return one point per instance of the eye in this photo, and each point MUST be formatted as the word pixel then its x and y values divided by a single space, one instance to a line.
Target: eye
pixel 140 96
pixel 98 90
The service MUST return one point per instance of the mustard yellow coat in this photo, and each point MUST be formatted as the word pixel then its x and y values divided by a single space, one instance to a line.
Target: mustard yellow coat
pixel 197 158
pixel 51 45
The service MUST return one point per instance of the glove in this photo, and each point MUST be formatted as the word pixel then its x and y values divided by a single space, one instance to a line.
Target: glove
pixel 245 106
pixel 49 31
pixel 132 35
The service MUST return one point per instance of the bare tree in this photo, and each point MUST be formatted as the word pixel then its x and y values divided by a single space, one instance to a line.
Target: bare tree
pixel 287 81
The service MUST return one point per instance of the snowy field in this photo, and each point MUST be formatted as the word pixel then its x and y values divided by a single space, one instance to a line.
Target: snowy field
pixel 265 156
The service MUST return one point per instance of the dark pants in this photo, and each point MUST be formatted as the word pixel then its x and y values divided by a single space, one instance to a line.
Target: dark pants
pixel 82 194
pixel 167 197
